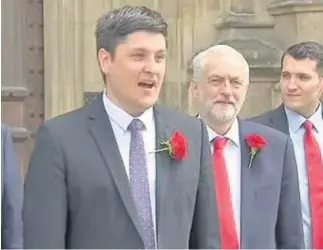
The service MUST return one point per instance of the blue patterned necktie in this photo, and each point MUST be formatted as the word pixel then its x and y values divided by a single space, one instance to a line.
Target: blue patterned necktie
pixel 139 183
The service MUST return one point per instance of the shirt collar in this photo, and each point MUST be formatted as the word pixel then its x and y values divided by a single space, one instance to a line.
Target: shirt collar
pixel 295 120
pixel 122 118
pixel 232 134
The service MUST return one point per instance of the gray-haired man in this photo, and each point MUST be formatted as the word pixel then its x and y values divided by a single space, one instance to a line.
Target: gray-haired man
pixel 257 197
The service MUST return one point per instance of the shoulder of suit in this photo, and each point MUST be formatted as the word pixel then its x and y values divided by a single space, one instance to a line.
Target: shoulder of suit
pixel 264 130
pixel 4 133
pixel 66 121
pixel 262 117
pixel 178 120
pixel 4 129
pixel 174 114
pixel 268 117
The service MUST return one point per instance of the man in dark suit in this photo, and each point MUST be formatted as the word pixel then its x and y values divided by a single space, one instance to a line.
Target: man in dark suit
pixel 11 194
pixel 301 84
pixel 256 185
pixel 95 179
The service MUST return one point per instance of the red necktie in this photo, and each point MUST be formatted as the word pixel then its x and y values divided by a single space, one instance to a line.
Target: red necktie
pixel 229 239
pixel 315 179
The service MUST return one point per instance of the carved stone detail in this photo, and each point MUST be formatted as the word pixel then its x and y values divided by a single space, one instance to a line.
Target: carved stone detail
pixel 257 52
pixel 279 7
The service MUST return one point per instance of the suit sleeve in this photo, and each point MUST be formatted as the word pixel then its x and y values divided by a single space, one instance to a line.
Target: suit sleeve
pixel 11 210
pixel 205 227
pixel 289 230
pixel 45 205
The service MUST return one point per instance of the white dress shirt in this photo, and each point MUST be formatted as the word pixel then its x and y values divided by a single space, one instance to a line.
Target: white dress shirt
pixel 232 155
pixel 296 131
pixel 120 121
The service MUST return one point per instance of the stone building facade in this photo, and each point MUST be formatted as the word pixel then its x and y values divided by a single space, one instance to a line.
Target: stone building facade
pixel 49 64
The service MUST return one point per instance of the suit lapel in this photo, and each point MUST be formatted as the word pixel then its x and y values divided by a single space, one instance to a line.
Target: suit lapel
pixel 102 132
pixel 163 165
pixel 249 177
pixel 279 120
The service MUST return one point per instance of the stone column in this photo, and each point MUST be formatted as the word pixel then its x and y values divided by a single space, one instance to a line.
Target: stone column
pixel 297 20
pixel 246 26
pixel 62 56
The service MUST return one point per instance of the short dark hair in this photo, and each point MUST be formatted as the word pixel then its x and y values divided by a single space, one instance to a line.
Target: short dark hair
pixel 306 50
pixel 114 26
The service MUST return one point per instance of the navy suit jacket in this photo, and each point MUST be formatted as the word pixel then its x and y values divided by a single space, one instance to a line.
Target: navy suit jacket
pixel 11 195
pixel 276 119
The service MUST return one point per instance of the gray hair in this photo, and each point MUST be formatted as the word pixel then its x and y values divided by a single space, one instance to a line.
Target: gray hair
pixel 114 26
pixel 197 66
pixel 306 50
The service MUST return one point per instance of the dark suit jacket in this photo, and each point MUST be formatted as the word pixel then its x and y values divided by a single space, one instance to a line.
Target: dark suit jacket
pixel 270 200
pixel 78 195
pixel 276 119
pixel 11 194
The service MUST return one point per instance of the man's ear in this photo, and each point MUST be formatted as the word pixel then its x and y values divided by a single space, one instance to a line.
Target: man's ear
pixel 194 89
pixel 104 59
pixel 321 87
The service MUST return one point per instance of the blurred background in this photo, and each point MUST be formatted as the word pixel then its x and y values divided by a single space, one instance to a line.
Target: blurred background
pixel 49 63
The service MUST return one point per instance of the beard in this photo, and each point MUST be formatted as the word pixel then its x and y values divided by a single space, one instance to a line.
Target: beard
pixel 220 113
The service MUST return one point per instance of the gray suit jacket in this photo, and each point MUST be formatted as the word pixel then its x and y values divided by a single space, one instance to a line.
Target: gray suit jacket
pixel 276 119
pixel 11 194
pixel 77 192
pixel 270 201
